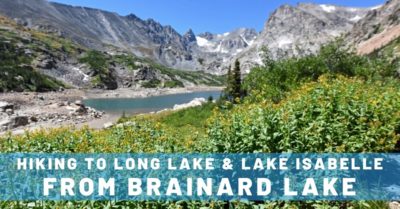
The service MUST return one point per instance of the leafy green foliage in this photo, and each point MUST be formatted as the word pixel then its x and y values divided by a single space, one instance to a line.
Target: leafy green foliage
pixel 234 91
pixel 391 53
pixel 185 125
pixel 129 137
pixel 332 115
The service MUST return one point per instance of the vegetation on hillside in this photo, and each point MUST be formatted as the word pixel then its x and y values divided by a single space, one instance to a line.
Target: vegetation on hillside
pixel 390 51
pixel 22 49
pixel 16 73
pixel 101 63
pixel 196 77
pixel 332 114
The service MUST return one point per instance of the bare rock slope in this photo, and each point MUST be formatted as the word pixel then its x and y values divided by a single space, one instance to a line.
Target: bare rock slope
pixel 300 30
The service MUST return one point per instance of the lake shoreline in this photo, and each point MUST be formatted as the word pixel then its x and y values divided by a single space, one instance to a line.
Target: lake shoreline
pixel 125 93
pixel 65 108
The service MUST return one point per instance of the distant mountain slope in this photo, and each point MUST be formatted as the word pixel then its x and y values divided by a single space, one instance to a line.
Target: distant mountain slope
pixel 300 30
pixel 214 50
pixel 379 40
pixel 379 27
pixel 227 43
pixel 98 29
pixel 35 61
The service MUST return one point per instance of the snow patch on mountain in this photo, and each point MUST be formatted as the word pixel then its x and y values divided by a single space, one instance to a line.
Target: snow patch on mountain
pixel 86 77
pixel 328 8
pixel 356 18
pixel 376 7
pixel 202 42
pixel 283 41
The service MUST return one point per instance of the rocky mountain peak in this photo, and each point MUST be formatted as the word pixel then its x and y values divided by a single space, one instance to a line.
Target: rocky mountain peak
pixel 206 35
pixel 189 37
pixel 132 16
pixel 283 10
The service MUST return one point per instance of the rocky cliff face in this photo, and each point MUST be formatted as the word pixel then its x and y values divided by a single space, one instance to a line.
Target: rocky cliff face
pixel 300 30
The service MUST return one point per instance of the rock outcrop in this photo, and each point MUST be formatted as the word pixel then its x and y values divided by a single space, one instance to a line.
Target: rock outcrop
pixel 300 30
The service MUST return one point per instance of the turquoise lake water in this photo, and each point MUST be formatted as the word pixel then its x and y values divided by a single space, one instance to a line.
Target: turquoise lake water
pixel 146 105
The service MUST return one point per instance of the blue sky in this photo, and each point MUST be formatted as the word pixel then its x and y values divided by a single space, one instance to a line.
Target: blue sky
pixel 216 16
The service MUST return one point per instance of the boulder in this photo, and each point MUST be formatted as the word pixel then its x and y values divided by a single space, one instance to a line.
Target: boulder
pixel 19 78
pixel 4 124
pixel 108 125
pixel 34 119
pixel 394 205
pixel 18 121
pixel 14 122
pixel 4 106
pixel 9 111
pixel 48 63
pixel 79 103
pixel 82 110
pixel 145 74
pixel 195 102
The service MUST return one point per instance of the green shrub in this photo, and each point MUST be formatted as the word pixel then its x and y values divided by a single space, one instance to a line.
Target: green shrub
pixel 126 60
pixel 96 60
pixel 173 84
pixel 332 115
pixel 154 83
pixel 99 63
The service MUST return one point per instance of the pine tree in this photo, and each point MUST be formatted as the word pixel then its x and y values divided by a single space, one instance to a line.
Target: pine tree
pixel 237 82
pixel 229 84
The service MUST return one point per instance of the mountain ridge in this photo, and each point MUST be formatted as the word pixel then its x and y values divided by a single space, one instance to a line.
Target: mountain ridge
pixel 36 61
pixel 291 30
